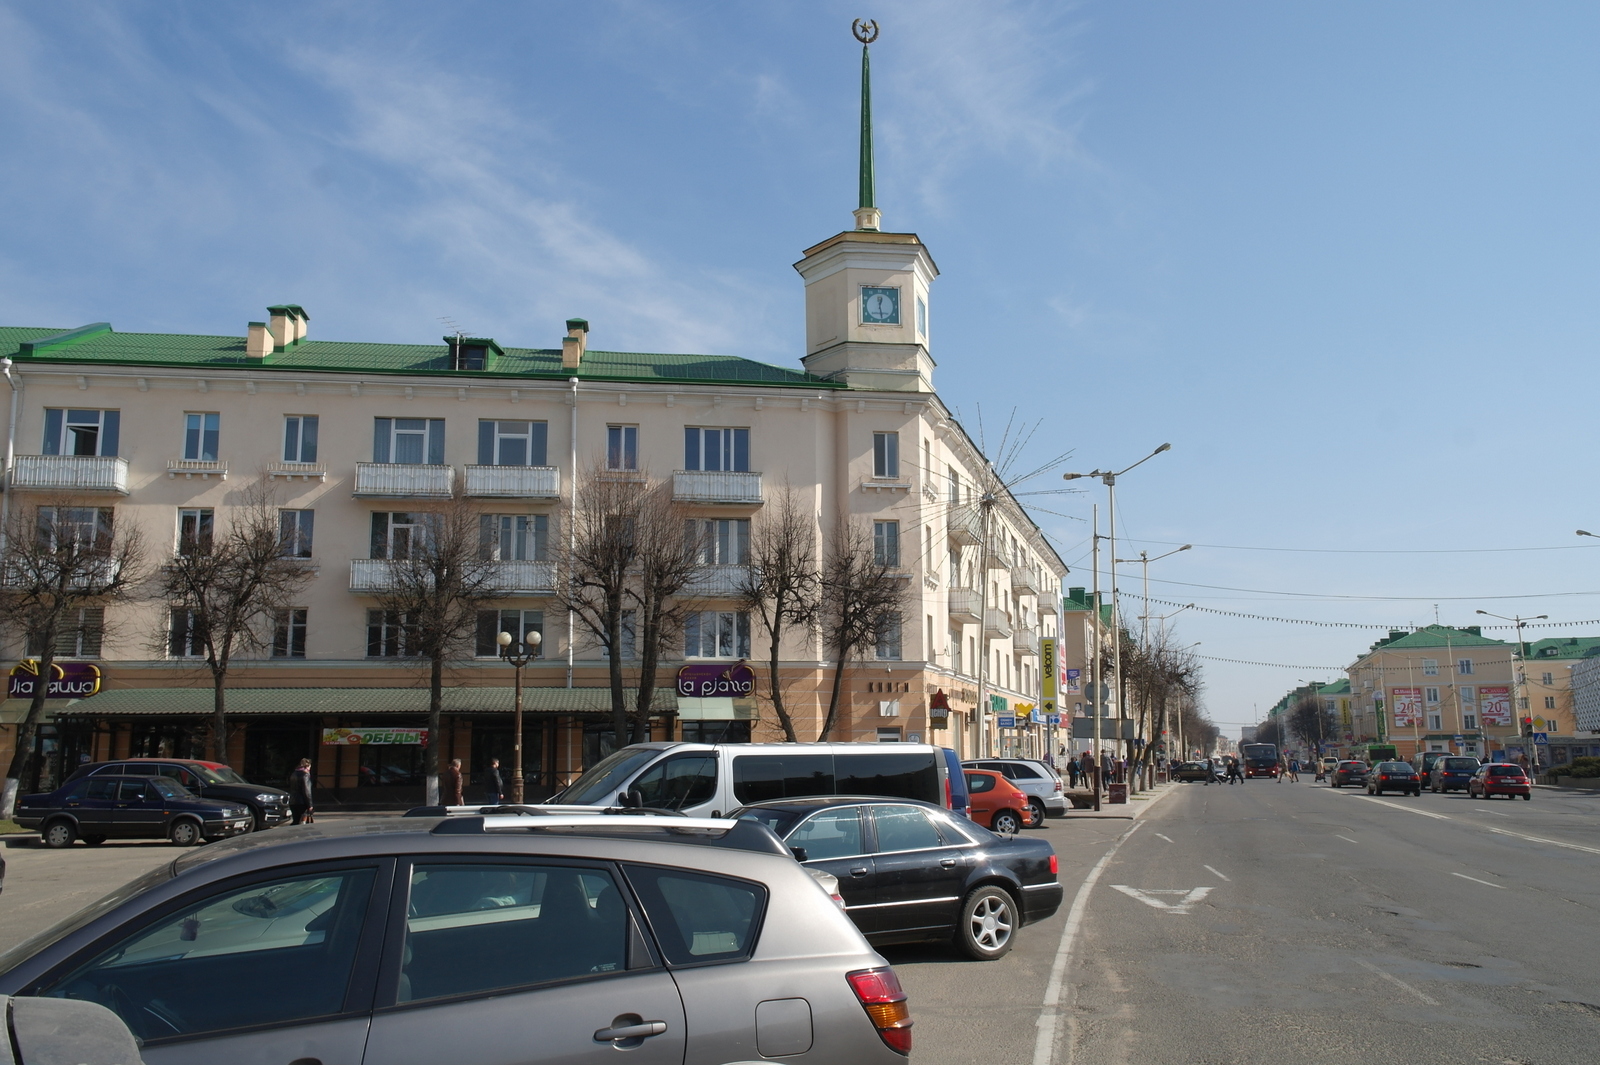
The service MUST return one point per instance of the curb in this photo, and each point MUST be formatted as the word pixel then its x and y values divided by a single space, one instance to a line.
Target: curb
pixel 1130 812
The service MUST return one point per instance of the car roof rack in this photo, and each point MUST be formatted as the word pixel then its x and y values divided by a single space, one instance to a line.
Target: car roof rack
pixel 745 835
pixel 536 810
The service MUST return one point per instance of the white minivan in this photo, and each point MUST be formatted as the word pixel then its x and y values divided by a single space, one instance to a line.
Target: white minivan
pixel 709 780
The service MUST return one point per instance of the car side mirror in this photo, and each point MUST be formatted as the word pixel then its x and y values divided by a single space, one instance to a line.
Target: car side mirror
pixel 630 799
pixel 64 1029
pixel 799 853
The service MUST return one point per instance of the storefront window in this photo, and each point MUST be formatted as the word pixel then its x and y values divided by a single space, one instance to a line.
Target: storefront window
pixel 389 765
pixel 716 732
pixel 272 749
pixel 159 739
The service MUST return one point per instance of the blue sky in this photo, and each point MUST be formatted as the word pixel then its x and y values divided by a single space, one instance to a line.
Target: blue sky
pixel 1344 257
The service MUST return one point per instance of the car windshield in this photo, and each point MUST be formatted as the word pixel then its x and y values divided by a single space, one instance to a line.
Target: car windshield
pixel 1393 767
pixel 92 912
pixel 1505 771
pixel 1352 765
pixel 601 780
pixel 1461 763
pixel 220 775
pixel 170 789
pixel 780 821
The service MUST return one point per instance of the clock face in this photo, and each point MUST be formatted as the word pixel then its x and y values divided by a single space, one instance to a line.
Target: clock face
pixel 880 306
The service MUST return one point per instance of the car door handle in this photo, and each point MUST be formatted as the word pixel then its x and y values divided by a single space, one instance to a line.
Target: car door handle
pixel 630 1031
pixel 948 863
pixel 859 871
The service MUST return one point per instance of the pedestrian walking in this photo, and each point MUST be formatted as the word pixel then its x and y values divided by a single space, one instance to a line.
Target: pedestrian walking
pixel 1294 770
pixel 300 792
pixel 494 783
pixel 452 784
pixel 1234 772
pixel 1073 772
pixel 1090 777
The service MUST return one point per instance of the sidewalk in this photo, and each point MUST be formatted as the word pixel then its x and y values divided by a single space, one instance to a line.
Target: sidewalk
pixel 1136 806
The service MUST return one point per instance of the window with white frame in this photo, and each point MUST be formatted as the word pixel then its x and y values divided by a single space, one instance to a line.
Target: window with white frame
pixel 1549 702
pixel 886 543
pixel 1464 666
pixel 81 432
pixel 953 477
pixel 1436 721
pixel 722 541
pixel 1430 667
pixel 295 531
pixel 491 623
pixel 622 447
pixel 1469 721
pixel 1547 679
pixel 512 443
pixel 202 432
pixel 955 653
pixel 515 537
pixel 885 454
pixel 396 534
pixel 289 634
pixel 88 528
pixel 186 637
pixel 195 529
pixel 79 635
pixel 299 438
pixel 1430 695
pixel 626 636
pixel 390 634
pixel 888 632
pixel 922 318
pixel 716 449
pixel 717 634
pixel 413 441
pixel 1522 702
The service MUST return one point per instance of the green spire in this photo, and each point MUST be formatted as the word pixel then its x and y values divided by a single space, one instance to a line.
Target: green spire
pixel 868 198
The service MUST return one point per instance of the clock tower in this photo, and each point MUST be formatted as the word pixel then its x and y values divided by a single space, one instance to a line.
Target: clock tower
pixel 867 290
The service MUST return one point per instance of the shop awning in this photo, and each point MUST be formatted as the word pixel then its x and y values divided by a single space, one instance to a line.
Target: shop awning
pixel 196 702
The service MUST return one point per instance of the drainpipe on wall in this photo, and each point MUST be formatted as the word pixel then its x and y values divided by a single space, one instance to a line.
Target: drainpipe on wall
pixel 572 519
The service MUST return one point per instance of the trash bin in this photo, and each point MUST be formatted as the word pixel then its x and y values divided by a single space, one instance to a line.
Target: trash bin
pixel 1118 793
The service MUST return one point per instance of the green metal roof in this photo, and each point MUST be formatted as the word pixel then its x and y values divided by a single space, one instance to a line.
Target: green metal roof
pixel 1436 636
pixel 186 702
pixel 1563 647
pixel 100 345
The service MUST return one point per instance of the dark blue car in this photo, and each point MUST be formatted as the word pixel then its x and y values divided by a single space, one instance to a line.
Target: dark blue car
pixel 95 809
pixel 1451 773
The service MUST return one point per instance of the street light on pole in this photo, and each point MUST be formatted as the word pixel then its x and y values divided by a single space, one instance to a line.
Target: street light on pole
pixel 1518 620
pixel 1109 479
pixel 517 659
pixel 1144 560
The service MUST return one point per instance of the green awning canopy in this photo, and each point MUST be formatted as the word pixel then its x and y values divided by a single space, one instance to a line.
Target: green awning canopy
pixel 196 702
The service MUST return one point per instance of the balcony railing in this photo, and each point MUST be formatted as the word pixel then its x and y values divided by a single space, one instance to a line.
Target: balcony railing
pixel 996 624
pixel 1025 641
pixel 70 473
pixel 719 582
pixel 404 480
pixel 189 469
pixel 716 486
pixel 374 576
pixel 966 526
pixel 1024 580
pixel 92 576
pixel 966 605
pixel 514 482
pixel 1050 603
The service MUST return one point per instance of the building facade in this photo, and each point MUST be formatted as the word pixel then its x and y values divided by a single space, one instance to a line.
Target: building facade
pixel 1435 689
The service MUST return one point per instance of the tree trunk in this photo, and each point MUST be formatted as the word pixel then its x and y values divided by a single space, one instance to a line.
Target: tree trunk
pixel 833 701
pixel 430 753
pixel 777 689
pixel 23 755
pixel 219 716
pixel 649 649
pixel 619 706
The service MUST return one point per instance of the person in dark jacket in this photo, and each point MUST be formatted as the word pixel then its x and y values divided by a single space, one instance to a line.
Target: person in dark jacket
pixel 452 784
pixel 300 791
pixel 495 784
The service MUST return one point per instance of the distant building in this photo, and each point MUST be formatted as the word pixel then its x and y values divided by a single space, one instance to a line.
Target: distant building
pixel 1547 681
pixel 1438 688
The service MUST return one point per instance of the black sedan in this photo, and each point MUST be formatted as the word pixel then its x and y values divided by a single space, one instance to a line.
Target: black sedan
pixel 1394 776
pixel 911 872
pixel 95 809
pixel 209 780
pixel 1350 771
pixel 1190 772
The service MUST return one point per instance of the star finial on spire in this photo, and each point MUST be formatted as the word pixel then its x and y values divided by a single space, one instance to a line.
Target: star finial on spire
pixel 867 215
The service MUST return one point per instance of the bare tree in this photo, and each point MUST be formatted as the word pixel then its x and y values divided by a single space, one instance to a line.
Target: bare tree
pixel 437 577
pixel 783 586
pixel 62 560
pixel 227 588
pixel 1311 720
pixel 863 595
pixel 669 550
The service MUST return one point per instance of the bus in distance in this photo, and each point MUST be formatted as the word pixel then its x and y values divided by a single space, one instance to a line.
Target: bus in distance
pixel 1259 759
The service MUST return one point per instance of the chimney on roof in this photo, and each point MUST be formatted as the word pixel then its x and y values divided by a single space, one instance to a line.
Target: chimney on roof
pixel 258 343
pixel 287 325
pixel 574 343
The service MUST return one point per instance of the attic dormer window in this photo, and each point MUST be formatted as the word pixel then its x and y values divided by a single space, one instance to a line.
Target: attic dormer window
pixel 472 353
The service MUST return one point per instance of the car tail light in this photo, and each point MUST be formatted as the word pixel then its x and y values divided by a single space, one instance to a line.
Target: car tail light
pixel 878 991
pixel 1055 865
pixel 1058 784
pixel 1383 776
pixel 949 801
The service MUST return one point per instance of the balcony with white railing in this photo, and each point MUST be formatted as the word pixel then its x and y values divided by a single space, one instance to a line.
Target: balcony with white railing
pixel 1025 640
pixel 966 605
pixel 996 624
pixel 1024 580
pixel 1050 603
pixel 719 582
pixel 189 469
pixel 374 576
pixel 70 473
pixel 735 487
pixel 370 575
pixel 514 482
pixel 404 480
pixel 966 526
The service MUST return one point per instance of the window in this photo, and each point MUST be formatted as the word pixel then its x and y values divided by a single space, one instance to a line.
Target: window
pixel 922 318
pixel 1464 666
pixel 886 543
pixel 1522 703
pixel 186 637
pixel 1549 702
pixel 954 477
pixel 759 777
pixel 491 623
pixel 1436 721
pixel 295 528
pixel 723 541
pixel 79 636
pixel 1431 695
pixel 1430 667
pixel 904 828
pixel 885 454
pixel 628 636
pixel 678 783
pixel 195 531
pixel 396 534
pixel 86 528
pixel 955 653
pixel 80 432
pixel 511 443
pixel 716 449
pixel 515 537
pixel 200 436
pixel 521 924
pixel 698 917
pixel 300 438
pixel 390 634
pixel 889 735
pixel 289 634
pixel 1547 679
pixel 418 441
pixel 889 635
pixel 298 933
pixel 717 634
pixel 622 447
pixel 1468 693
pixel 829 834
pixel 1469 721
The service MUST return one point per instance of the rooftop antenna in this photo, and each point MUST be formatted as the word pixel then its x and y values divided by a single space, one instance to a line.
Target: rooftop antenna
pixel 460 335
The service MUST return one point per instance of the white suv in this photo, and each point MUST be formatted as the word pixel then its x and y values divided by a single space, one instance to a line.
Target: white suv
pixel 1035 779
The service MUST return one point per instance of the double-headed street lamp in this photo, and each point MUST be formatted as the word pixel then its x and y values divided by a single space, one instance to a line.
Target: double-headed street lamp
pixel 1516 681
pixel 1144 560
pixel 518 658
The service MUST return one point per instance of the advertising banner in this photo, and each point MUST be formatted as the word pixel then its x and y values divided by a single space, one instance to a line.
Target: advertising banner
pixel 1496 705
pixel 1047 674
pixel 1074 681
pixel 1344 714
pixel 1005 721
pixel 357 737
pixel 1407 707
pixel 712 680
pixel 68 680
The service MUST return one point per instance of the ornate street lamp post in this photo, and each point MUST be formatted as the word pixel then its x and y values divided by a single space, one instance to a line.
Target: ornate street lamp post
pixel 518 658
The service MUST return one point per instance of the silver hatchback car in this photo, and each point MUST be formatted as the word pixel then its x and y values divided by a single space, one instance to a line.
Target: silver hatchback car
pixel 493 939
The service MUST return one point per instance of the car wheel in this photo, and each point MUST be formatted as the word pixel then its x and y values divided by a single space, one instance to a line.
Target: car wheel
pixel 258 820
pixel 1035 813
pixel 1006 823
pixel 59 834
pixel 988 920
pixel 94 841
pixel 184 833
pixel 1528 798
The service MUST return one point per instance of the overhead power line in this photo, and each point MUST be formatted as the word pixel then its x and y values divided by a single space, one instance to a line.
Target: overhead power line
pixel 1373 550
pixel 1337 624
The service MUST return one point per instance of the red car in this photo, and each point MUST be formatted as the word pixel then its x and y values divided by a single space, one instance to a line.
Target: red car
pixel 997 804
pixel 1498 778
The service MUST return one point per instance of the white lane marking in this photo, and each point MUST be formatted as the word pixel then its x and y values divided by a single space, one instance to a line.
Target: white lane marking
pixel 1347 839
pixel 1150 896
pixel 1393 979
pixel 1497 813
pixel 1408 809
pixel 1541 839
pixel 1049 1023
pixel 1167 838
pixel 1475 880
pixel 1214 872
